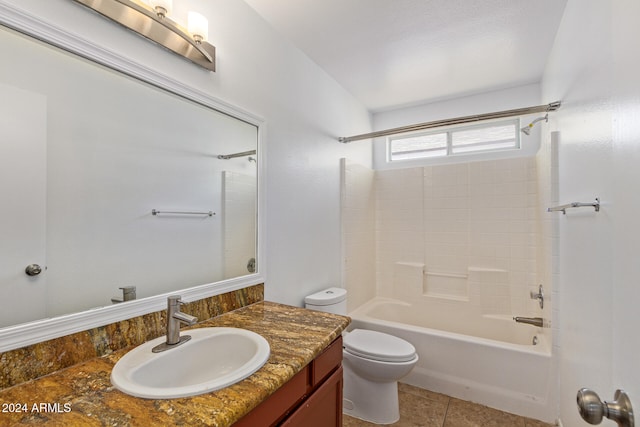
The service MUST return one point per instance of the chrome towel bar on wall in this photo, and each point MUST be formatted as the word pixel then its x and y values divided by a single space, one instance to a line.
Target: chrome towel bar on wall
pixel 157 212
pixel 563 208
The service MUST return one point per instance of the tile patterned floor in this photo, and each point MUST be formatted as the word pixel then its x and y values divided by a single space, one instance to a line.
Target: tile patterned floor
pixel 423 408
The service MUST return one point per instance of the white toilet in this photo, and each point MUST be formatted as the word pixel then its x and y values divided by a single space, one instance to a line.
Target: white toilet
pixel 373 363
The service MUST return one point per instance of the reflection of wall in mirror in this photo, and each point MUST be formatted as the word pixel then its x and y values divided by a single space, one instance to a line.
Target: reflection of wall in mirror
pixel 23 121
pixel 239 222
pixel 116 149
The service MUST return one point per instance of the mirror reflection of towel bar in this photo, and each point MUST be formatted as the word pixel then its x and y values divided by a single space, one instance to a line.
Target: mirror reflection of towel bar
pixel 563 208
pixel 157 212
pixel 233 156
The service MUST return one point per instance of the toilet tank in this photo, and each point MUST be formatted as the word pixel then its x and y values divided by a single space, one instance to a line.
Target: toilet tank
pixel 332 300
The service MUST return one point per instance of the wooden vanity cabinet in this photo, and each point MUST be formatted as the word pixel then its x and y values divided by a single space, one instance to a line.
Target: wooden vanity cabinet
pixel 323 408
pixel 312 398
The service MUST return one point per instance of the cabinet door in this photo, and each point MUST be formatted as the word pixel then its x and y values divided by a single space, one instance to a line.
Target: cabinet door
pixel 274 409
pixel 323 408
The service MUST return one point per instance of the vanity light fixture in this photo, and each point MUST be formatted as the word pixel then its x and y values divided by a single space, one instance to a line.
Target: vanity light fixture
pixel 198 27
pixel 151 20
pixel 162 7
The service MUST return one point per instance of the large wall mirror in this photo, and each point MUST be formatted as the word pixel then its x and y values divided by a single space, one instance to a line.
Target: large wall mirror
pixel 109 182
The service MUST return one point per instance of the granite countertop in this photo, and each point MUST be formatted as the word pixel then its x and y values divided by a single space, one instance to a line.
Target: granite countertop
pixel 82 395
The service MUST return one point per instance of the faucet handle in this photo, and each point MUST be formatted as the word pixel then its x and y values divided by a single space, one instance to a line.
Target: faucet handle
pixel 539 296
pixel 173 304
pixel 175 300
pixel 128 293
pixel 174 310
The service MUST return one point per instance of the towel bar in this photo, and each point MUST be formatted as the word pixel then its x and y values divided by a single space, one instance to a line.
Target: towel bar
pixel 563 208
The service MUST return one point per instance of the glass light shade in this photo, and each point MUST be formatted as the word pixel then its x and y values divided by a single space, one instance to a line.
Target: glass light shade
pixel 162 4
pixel 198 26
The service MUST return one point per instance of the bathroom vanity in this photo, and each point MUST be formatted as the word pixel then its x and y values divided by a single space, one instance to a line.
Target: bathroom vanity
pixel 301 383
pixel 313 397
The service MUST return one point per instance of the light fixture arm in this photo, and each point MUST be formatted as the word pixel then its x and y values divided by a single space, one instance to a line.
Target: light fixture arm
pixel 159 28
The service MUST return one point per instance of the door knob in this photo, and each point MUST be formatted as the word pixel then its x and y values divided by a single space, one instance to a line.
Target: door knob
pixel 251 265
pixel 33 270
pixel 592 409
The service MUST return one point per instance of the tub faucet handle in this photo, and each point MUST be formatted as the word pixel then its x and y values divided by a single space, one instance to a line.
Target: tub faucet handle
pixel 534 321
pixel 539 296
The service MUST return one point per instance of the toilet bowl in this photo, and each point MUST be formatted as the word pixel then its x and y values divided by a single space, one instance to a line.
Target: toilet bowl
pixel 373 363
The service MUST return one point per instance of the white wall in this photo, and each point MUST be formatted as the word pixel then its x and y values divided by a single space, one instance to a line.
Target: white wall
pixel 593 69
pixel 625 190
pixel 23 118
pixel 305 110
pixel 547 246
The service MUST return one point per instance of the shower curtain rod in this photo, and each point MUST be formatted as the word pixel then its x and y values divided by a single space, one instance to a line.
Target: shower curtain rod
pixel 456 121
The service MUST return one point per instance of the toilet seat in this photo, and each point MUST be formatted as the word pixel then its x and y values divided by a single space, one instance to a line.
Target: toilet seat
pixel 378 346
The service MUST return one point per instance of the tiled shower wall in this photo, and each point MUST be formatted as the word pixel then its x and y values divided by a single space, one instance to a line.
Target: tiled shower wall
pixel 358 232
pixel 471 230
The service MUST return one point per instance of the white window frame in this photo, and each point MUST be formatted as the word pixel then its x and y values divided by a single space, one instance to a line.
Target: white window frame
pixel 449 131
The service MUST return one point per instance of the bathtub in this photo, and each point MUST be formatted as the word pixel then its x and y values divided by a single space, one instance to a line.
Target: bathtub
pixel 485 359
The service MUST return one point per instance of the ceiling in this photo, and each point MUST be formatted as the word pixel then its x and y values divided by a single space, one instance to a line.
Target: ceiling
pixel 393 53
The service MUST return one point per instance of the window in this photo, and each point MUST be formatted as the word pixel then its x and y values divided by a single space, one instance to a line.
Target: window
pixel 494 136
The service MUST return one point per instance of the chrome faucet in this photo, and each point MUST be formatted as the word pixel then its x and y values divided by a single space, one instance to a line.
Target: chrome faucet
pixel 535 321
pixel 174 318
pixel 128 294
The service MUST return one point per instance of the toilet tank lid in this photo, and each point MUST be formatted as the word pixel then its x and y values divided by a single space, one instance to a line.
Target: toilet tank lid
pixel 327 297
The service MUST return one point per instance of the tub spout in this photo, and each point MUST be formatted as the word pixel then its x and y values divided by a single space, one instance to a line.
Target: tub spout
pixel 535 321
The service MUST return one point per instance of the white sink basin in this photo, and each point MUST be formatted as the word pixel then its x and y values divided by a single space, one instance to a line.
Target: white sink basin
pixel 214 358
